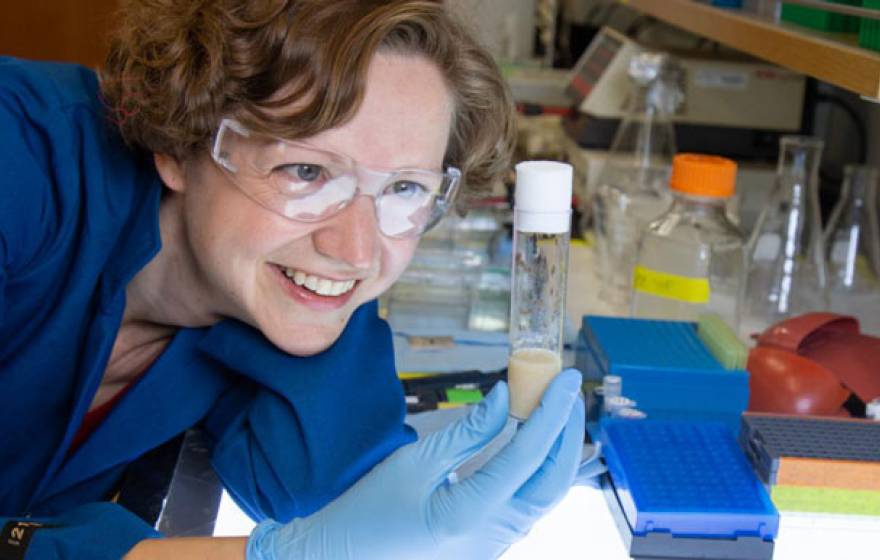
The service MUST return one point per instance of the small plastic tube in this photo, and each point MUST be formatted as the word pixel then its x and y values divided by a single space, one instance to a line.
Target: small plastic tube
pixel 612 386
pixel 542 221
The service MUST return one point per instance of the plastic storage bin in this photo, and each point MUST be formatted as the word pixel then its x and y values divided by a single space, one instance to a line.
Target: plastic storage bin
pixel 821 19
pixel 869 29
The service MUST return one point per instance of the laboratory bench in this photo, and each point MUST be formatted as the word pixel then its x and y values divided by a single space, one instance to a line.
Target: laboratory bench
pixel 580 527
pixel 188 499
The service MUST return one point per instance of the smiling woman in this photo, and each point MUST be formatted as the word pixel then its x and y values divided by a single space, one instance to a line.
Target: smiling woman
pixel 236 226
pixel 198 238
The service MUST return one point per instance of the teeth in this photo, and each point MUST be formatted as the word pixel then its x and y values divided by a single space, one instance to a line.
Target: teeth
pixel 321 286
pixel 324 287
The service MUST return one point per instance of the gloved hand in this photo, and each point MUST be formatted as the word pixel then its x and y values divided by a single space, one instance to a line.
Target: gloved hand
pixel 406 508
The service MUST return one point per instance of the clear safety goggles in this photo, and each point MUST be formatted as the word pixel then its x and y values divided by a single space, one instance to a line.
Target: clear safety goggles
pixel 306 184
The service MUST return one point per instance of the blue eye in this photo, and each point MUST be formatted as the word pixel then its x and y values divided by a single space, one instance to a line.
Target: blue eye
pixel 307 172
pixel 408 189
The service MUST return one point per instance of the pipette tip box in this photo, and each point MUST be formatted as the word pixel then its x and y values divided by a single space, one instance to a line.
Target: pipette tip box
pixel 686 480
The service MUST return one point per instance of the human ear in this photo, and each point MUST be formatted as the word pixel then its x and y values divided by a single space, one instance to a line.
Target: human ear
pixel 171 171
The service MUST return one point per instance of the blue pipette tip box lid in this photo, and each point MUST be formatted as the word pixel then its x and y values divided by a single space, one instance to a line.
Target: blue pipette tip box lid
pixel 639 343
pixel 689 479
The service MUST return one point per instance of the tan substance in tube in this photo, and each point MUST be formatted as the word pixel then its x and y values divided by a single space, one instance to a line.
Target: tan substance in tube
pixel 529 371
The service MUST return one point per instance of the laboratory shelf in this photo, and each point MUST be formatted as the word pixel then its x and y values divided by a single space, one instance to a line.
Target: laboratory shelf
pixel 831 57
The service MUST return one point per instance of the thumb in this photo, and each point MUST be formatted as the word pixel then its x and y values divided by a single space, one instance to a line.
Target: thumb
pixel 444 450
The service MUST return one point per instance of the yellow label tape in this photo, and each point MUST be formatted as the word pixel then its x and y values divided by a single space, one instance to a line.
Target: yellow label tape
pixel 671 286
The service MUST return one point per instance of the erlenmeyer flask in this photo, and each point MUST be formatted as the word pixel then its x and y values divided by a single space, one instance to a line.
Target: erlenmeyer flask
pixel 786 260
pixel 632 186
pixel 852 242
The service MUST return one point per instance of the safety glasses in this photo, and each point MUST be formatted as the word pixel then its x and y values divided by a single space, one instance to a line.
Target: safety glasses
pixel 306 184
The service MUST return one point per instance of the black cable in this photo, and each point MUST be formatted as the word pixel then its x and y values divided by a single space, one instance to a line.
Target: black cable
pixel 828 193
pixel 861 129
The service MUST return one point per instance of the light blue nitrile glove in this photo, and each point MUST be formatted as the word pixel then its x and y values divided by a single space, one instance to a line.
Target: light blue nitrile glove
pixel 406 508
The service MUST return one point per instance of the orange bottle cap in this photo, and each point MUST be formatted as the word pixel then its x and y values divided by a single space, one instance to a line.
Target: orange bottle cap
pixel 702 175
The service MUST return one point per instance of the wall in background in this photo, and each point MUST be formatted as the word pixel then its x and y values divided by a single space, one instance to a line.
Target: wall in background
pixel 67 30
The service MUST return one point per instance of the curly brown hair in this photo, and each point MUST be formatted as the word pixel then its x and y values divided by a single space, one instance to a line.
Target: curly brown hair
pixel 292 68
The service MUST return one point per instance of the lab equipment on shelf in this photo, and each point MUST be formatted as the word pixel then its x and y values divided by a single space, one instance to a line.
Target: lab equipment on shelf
pixel 542 221
pixel 852 242
pixel 690 260
pixel 632 186
pixel 822 20
pixel 786 261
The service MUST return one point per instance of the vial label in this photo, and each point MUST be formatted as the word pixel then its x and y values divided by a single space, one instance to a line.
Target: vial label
pixel 671 286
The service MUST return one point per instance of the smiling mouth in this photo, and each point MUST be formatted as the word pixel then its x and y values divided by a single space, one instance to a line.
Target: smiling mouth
pixel 317 284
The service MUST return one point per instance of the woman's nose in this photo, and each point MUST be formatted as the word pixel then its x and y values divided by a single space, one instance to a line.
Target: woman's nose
pixel 352 236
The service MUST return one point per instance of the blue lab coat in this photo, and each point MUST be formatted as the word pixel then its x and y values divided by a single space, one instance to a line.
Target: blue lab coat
pixel 78 219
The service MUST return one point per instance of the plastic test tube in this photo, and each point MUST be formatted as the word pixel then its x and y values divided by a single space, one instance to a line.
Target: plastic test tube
pixel 542 220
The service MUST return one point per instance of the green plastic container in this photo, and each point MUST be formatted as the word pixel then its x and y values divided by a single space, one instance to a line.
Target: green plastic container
pixel 869 31
pixel 821 19
pixel 722 342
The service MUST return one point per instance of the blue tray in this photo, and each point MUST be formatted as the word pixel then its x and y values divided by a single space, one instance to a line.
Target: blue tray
pixel 686 479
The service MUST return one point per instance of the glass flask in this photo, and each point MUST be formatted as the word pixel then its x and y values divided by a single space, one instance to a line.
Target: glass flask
pixel 691 259
pixel 632 186
pixel 786 260
pixel 542 221
pixel 852 242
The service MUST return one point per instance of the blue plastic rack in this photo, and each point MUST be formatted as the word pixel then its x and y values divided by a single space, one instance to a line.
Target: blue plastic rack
pixel 686 479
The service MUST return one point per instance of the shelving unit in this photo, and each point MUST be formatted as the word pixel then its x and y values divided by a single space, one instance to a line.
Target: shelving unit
pixel 830 57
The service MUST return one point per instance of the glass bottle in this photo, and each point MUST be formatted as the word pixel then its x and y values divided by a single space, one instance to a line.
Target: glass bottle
pixel 542 221
pixel 631 188
pixel 786 260
pixel 691 259
pixel 852 242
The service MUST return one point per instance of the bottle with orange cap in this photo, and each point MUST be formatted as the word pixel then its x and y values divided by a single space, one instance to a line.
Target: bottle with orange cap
pixel 691 260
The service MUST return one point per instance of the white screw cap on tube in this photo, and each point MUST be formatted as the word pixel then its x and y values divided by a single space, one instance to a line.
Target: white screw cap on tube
pixel 872 410
pixel 542 200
